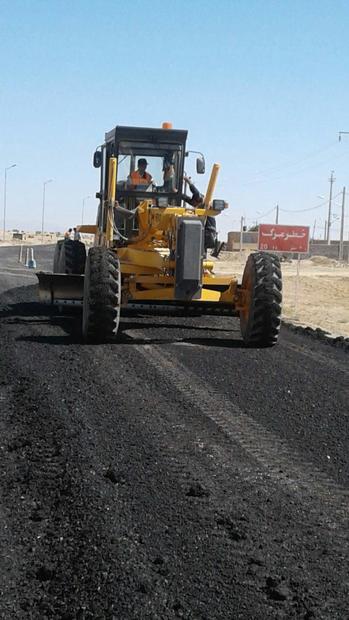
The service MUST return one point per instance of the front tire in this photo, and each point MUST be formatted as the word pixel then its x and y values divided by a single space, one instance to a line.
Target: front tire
pixel 260 319
pixel 102 296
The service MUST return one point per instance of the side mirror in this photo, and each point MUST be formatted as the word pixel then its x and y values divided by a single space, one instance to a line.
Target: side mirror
pixel 200 165
pixel 97 159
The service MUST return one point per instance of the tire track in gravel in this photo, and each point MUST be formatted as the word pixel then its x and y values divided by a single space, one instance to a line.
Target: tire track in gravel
pixel 277 461
pixel 322 503
pixel 244 504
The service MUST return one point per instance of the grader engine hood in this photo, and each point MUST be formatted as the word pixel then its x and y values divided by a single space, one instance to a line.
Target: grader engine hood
pixel 189 258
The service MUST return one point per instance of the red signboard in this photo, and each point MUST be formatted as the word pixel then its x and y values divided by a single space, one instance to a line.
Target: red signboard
pixel 279 238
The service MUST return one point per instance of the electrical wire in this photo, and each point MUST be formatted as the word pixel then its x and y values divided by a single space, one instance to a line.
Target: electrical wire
pixel 290 164
pixel 292 173
pixel 309 208
pixel 264 214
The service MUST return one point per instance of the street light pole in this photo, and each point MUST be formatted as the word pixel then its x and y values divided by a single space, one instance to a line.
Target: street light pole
pixel 43 208
pixel 329 222
pixel 241 234
pixel 5 184
pixel 83 208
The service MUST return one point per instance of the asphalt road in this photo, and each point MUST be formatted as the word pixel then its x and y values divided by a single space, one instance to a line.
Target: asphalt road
pixel 176 474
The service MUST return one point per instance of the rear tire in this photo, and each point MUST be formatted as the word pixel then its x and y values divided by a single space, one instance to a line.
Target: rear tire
pixel 72 257
pixel 260 320
pixel 102 296
pixel 80 257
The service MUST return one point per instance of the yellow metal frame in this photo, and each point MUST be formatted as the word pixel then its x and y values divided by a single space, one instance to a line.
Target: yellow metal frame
pixel 112 174
pixel 148 271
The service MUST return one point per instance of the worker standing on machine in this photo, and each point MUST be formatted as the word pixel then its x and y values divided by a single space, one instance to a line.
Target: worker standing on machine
pixel 68 234
pixel 169 174
pixel 77 236
pixel 197 200
pixel 140 177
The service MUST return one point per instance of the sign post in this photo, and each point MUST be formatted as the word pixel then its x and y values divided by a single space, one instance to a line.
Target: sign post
pixel 297 285
pixel 285 239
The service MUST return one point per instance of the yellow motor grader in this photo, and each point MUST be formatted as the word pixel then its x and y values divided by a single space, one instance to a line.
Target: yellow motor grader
pixel 150 245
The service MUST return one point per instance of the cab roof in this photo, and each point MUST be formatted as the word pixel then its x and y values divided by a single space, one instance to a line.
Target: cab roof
pixel 146 134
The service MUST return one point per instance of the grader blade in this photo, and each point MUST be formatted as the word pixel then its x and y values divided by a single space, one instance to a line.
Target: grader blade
pixel 178 308
pixel 61 289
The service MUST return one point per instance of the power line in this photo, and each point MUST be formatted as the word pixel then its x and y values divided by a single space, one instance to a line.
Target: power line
pixel 309 208
pixel 292 173
pixel 290 164
pixel 264 214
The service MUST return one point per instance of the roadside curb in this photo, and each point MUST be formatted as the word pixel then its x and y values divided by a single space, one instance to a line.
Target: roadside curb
pixel 341 342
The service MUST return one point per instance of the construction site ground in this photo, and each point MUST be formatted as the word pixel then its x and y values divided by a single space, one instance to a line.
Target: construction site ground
pixel 176 474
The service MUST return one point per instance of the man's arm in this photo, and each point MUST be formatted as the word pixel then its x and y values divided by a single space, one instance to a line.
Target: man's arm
pixel 197 198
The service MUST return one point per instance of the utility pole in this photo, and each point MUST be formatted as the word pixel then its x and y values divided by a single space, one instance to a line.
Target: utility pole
pixel 340 133
pixel 314 229
pixel 341 245
pixel 5 198
pixel 325 233
pixel 83 208
pixel 241 233
pixel 43 208
pixel 331 180
pixel 277 214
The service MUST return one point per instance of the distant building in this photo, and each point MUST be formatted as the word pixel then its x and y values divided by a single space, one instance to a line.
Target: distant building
pixel 249 241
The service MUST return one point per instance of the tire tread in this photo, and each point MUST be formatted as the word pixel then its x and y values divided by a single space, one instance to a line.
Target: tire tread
pixel 103 290
pixel 264 320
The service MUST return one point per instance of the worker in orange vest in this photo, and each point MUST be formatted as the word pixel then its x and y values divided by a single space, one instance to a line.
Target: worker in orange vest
pixel 140 177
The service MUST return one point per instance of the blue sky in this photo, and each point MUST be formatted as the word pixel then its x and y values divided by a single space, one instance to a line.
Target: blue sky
pixel 261 85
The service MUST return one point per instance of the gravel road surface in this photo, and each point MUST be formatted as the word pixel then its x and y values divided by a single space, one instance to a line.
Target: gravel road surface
pixel 176 474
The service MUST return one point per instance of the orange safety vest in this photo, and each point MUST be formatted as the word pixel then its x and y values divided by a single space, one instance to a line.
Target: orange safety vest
pixel 137 179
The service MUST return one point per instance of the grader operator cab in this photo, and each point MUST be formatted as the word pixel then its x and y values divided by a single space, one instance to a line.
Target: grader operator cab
pixel 150 245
